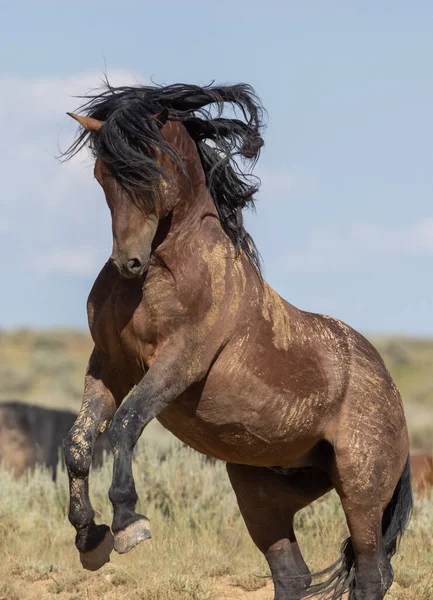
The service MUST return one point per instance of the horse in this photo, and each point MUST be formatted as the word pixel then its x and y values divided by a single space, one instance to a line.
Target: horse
pixel 17 451
pixel 186 330
pixel 32 435
pixel 422 471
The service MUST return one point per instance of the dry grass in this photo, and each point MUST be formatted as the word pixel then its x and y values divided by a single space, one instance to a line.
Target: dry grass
pixel 44 367
pixel 198 539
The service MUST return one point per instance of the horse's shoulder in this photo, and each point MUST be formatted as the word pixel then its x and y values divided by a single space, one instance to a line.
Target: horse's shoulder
pixel 101 290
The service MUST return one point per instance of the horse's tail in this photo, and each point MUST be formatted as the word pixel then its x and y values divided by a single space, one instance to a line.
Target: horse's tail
pixel 340 575
pixel 398 512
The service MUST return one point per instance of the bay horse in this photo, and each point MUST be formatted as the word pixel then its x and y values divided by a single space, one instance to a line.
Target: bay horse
pixel 186 330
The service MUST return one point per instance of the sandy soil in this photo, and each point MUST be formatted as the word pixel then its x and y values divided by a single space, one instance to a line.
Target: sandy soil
pixel 99 587
pixel 91 590
pixel 95 588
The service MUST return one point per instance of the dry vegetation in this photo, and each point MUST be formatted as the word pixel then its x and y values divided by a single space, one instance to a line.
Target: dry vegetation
pixel 44 367
pixel 200 549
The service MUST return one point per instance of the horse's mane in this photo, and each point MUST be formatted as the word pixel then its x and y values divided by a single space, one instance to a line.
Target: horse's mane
pixel 128 139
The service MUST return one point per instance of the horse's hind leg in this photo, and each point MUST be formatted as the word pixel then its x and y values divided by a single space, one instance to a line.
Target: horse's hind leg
pixel 268 502
pixel 373 571
pixel 375 511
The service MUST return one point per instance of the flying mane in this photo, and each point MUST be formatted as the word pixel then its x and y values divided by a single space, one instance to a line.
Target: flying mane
pixel 128 139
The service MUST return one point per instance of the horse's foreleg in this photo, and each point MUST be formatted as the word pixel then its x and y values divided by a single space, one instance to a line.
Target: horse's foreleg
pixel 268 502
pixel 166 379
pixel 94 542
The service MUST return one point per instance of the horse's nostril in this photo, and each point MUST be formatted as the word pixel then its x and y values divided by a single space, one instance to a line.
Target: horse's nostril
pixel 134 265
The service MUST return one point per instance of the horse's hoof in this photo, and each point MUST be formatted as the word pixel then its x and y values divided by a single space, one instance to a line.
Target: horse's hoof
pixel 96 558
pixel 132 535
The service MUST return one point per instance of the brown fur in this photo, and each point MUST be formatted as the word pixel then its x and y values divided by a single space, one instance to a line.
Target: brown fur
pixel 238 373
pixel 422 471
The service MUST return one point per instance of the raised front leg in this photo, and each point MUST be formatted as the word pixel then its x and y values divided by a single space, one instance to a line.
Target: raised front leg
pixel 166 379
pixel 94 542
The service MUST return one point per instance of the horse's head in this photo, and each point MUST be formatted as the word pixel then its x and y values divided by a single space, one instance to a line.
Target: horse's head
pixel 151 167
pixel 133 227
pixel 135 214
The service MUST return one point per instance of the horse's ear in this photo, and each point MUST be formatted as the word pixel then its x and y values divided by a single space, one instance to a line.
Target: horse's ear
pixel 88 123
pixel 162 117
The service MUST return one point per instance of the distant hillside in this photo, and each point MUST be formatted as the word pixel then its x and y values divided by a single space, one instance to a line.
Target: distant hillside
pixel 47 368
pixel 44 367
pixel 410 362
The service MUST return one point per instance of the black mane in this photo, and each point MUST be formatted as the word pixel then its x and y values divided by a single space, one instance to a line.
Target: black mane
pixel 127 140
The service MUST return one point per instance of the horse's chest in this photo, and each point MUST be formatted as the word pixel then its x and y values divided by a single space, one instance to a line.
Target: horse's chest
pixel 126 328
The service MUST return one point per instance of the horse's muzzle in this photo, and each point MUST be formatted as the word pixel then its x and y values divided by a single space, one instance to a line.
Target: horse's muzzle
pixel 132 268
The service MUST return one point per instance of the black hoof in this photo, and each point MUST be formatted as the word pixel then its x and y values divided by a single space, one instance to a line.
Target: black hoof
pixel 92 560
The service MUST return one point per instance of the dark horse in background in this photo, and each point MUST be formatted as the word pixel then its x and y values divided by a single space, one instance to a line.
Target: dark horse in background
pixel 32 435
pixel 187 331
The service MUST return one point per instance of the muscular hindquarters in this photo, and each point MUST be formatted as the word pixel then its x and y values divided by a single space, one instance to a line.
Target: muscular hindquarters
pixel 369 434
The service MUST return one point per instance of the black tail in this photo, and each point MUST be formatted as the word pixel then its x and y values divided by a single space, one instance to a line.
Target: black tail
pixel 398 512
pixel 341 574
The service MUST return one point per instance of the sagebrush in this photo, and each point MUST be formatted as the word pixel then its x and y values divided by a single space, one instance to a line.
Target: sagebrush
pixel 198 539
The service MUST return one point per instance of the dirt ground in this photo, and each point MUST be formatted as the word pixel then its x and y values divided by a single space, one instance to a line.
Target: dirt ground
pixel 91 590
pixel 95 588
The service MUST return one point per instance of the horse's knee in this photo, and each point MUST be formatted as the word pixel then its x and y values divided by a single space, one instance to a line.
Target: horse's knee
pixel 124 430
pixel 78 454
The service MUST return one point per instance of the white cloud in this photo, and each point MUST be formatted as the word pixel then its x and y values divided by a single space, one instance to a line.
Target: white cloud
pixel 361 243
pixel 52 215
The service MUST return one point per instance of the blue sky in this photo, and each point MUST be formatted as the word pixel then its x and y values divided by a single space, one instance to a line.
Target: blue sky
pixel 344 219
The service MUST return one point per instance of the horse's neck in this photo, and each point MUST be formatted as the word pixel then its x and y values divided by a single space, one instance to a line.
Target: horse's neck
pixel 193 225
pixel 195 203
pixel 193 207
